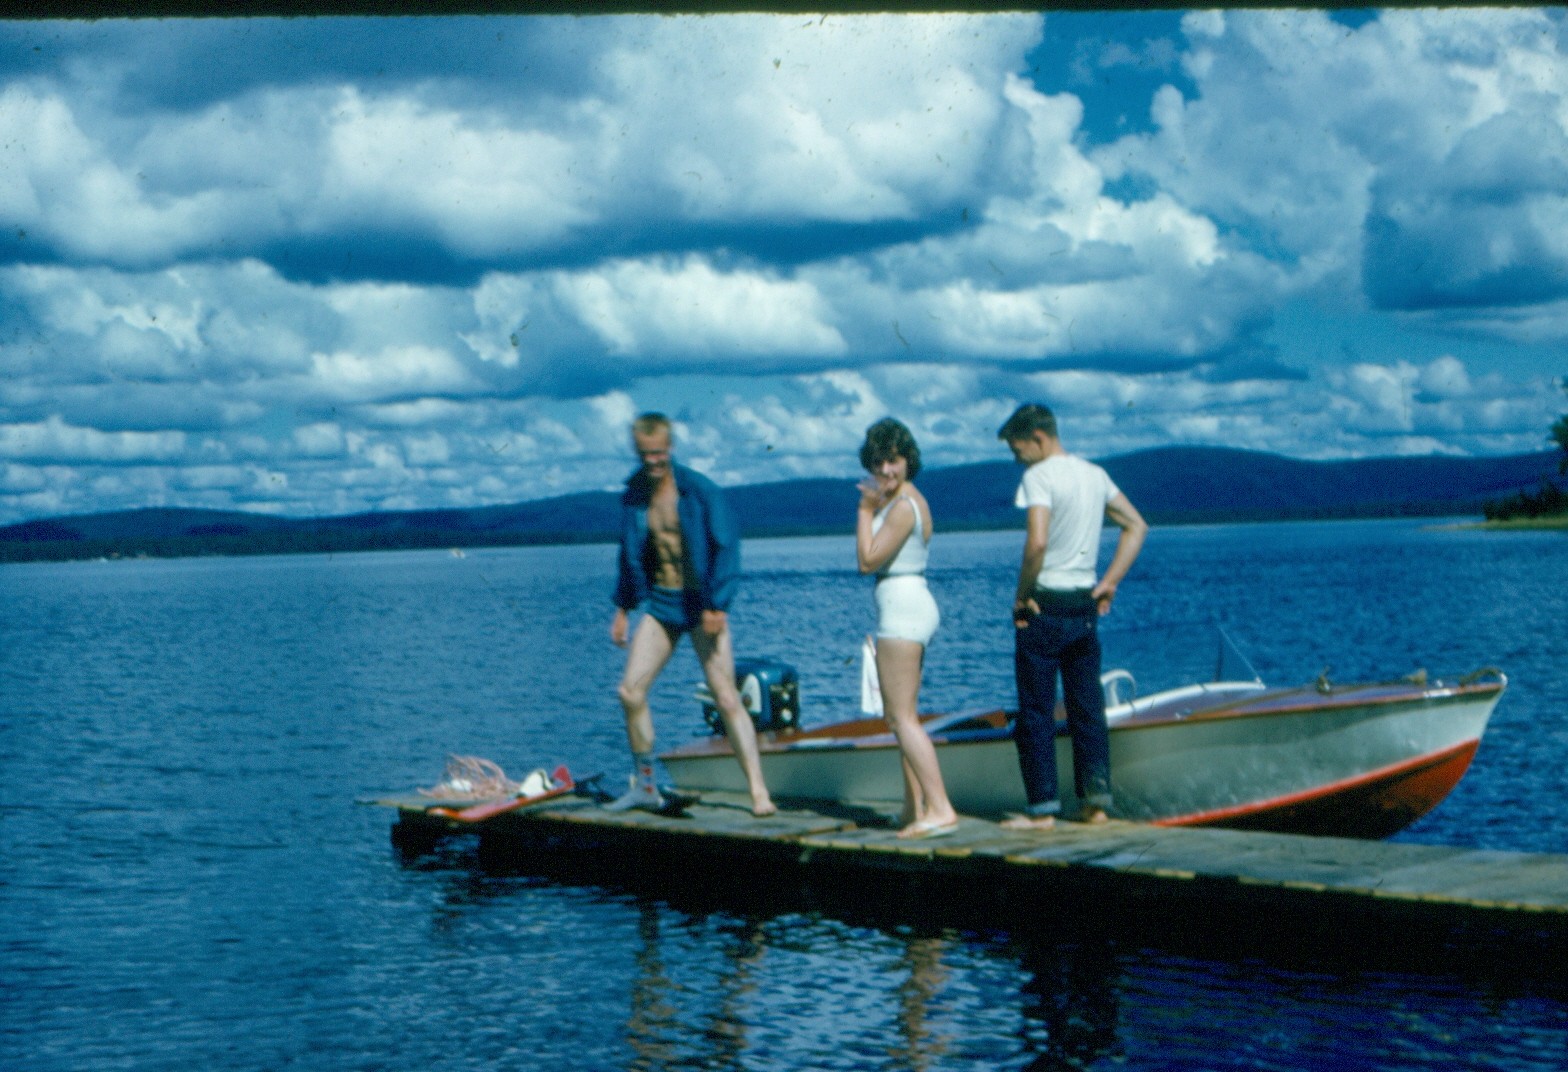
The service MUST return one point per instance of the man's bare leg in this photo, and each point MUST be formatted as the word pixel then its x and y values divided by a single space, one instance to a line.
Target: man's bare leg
pixel 650 649
pixel 718 666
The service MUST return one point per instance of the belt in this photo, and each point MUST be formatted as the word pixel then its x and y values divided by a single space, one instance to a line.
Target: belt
pixel 1066 602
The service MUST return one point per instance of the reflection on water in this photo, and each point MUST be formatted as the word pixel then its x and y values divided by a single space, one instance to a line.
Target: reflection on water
pixel 920 1040
pixel 835 977
pixel 1070 1000
pixel 656 1027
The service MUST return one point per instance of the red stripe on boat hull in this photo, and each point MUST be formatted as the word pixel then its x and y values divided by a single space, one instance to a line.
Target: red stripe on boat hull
pixel 1374 805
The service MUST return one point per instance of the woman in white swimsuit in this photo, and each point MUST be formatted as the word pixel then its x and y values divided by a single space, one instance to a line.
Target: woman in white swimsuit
pixel 892 532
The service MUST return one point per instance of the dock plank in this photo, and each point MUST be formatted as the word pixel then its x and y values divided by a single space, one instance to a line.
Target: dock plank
pixel 1484 876
pixel 1326 878
pixel 716 815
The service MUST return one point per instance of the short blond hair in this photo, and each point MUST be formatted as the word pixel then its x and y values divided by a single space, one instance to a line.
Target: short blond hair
pixel 651 422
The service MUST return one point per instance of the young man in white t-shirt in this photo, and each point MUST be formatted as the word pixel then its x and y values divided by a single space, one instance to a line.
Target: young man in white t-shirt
pixel 1056 610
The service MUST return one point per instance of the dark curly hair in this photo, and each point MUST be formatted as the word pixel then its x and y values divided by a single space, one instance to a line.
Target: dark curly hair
pixel 889 438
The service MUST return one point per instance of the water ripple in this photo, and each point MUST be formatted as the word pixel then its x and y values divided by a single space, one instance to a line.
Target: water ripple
pixel 184 881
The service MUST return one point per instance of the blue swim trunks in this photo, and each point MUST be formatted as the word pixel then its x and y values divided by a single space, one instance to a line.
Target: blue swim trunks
pixel 677 609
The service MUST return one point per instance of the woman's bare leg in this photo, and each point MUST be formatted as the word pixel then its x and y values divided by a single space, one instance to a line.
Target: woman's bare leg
pixel 914 804
pixel 898 667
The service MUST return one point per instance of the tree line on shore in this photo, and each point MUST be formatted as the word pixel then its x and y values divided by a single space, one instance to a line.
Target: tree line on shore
pixel 1173 486
pixel 1550 500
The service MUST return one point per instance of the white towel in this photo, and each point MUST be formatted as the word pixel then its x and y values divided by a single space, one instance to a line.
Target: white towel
pixel 870 686
pixel 537 782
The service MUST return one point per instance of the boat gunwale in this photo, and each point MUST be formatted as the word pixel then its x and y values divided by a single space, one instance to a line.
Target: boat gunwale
pixel 1314 701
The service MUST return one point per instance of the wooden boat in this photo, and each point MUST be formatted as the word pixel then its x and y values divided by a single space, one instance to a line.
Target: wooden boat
pixel 1344 760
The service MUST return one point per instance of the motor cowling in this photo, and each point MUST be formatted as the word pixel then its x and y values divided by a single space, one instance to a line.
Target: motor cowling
pixel 769 691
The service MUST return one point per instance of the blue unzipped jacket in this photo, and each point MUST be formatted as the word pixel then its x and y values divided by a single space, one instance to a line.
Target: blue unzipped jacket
pixel 708 530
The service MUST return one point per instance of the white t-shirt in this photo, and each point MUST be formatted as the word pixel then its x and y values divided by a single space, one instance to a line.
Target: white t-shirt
pixel 1076 492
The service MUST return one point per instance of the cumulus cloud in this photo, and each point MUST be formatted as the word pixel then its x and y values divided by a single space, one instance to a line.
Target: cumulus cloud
pixel 1444 378
pixel 693 312
pixel 1419 157
pixel 801 122
pixel 54 441
pixel 386 263
pixel 321 440
pixel 1436 407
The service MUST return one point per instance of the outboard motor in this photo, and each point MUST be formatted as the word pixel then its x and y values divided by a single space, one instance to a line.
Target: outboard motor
pixel 769 691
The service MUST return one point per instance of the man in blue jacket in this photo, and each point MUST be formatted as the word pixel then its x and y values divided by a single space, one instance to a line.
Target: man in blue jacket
pixel 680 552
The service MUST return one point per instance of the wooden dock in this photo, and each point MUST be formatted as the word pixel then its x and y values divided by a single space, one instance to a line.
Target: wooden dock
pixel 1330 891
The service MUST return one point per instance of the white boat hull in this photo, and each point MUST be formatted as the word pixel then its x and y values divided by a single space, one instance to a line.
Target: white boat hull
pixel 1356 760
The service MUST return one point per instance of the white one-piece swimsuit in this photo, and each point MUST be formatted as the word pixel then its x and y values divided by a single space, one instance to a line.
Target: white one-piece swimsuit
pixel 906 609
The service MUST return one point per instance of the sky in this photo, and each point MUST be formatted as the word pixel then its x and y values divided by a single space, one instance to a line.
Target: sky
pixel 326 266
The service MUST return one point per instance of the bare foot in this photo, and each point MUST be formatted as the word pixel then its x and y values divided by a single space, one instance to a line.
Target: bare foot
pixel 929 828
pixel 764 809
pixel 1095 816
pixel 1029 822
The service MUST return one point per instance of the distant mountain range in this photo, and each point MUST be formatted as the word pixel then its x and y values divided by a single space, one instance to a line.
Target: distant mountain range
pixel 1171 485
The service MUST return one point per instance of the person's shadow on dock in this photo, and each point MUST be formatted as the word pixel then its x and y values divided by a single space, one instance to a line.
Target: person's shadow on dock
pixel 863 815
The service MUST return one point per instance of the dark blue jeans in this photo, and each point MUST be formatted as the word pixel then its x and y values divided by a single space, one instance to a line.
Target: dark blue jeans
pixel 1069 645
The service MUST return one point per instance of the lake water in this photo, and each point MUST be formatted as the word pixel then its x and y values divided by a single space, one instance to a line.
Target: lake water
pixel 186 883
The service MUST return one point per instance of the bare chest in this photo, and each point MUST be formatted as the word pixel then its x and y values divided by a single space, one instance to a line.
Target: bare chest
pixel 663 513
pixel 664 539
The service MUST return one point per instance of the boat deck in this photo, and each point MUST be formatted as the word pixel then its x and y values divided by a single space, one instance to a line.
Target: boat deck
pixel 1422 893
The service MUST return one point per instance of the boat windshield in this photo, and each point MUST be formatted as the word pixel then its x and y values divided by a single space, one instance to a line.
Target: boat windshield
pixel 1230 664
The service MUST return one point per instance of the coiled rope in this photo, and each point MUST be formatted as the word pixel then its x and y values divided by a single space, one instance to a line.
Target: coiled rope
pixel 469 777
